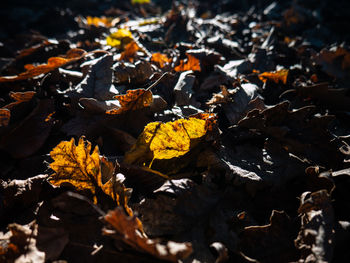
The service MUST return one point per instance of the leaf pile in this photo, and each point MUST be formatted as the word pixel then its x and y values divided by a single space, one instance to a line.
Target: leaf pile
pixel 175 131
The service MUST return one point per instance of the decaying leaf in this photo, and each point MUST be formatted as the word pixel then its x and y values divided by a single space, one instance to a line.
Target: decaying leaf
pixel 166 140
pixel 78 166
pixel 120 38
pixel 278 76
pixel 133 100
pixel 140 1
pixel 161 59
pixel 129 230
pixel 191 64
pixel 52 63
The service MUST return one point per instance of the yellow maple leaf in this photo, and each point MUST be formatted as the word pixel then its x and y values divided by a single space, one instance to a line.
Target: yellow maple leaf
pixel 78 166
pixel 166 140
pixel 119 38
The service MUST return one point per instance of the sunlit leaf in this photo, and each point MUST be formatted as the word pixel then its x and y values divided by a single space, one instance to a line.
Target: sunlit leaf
pixel 140 1
pixel 166 140
pixel 161 59
pixel 191 64
pixel 278 76
pixel 130 231
pixel 119 38
pixel 78 166
pixel 99 21
pixel 130 51
pixel 133 100
pixel 52 63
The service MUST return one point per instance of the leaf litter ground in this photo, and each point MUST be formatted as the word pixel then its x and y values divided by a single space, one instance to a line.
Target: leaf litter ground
pixel 181 131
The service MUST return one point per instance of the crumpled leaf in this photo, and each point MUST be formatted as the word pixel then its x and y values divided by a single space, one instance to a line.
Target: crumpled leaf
pixel 278 76
pixel 5 116
pixel 52 63
pixel 129 230
pixel 129 51
pixel 133 100
pixel 166 140
pixel 316 237
pixel 120 38
pixel 161 59
pixel 192 63
pixel 78 166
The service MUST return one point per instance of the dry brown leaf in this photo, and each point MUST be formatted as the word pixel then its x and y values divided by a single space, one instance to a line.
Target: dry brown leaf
pixel 129 230
pixel 5 116
pixel 133 100
pixel 52 63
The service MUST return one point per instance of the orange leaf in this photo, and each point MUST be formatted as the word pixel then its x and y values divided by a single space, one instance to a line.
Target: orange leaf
pixel 191 64
pixel 99 21
pixel 78 166
pixel 130 51
pixel 133 100
pixel 52 63
pixel 162 59
pixel 278 76
pixel 22 96
pixel 129 230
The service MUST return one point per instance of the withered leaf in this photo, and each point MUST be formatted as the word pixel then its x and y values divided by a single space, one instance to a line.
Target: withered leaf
pixel 52 63
pixel 78 166
pixel 120 38
pixel 129 230
pixel 133 100
pixel 5 116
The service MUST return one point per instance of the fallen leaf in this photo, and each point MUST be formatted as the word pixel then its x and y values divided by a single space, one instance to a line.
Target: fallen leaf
pixel 278 76
pixel 140 1
pixel 99 21
pixel 119 38
pixel 129 51
pixel 161 59
pixel 74 164
pixel 133 100
pixel 129 230
pixel 52 63
pixel 191 64
pixel 316 236
pixel 166 140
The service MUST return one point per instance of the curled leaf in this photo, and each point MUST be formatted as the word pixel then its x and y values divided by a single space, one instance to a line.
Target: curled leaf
pixel 130 229
pixel 191 64
pixel 278 76
pixel 119 38
pixel 5 116
pixel 166 140
pixel 52 63
pixel 132 100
